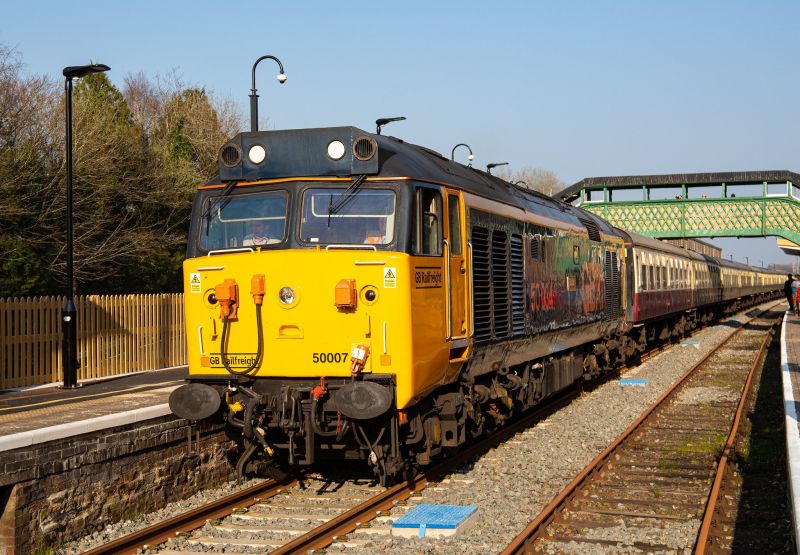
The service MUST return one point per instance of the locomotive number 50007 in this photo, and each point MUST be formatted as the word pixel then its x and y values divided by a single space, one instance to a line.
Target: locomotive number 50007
pixel 327 358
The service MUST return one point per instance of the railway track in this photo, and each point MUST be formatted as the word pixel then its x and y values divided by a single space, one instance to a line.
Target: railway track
pixel 306 511
pixel 656 485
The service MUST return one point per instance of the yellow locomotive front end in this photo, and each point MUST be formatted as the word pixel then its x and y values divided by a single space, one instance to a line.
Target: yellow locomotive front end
pixel 317 308
pixel 317 312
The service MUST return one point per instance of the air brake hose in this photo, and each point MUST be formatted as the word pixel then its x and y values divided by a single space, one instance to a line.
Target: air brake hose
pixel 224 342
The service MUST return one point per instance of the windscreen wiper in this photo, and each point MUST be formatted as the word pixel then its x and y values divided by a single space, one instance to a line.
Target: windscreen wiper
pixel 223 197
pixel 347 195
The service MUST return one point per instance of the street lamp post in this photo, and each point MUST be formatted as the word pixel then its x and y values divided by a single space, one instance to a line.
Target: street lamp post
pixel 494 165
pixel 471 156
pixel 253 93
pixel 69 316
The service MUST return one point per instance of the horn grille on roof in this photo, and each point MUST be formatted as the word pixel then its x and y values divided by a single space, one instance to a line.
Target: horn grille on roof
pixel 364 148
pixel 230 155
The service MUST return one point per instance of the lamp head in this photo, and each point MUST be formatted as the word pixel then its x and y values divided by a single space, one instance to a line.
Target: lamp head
pixel 281 78
pixel 471 157
pixel 76 72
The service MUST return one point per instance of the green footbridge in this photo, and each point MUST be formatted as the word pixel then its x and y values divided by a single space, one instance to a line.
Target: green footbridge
pixel 732 204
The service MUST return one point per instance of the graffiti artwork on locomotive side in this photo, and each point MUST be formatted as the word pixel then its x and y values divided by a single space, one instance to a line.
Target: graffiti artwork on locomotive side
pixel 565 281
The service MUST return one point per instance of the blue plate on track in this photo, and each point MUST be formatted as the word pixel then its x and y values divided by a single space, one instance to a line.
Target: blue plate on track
pixel 633 381
pixel 435 516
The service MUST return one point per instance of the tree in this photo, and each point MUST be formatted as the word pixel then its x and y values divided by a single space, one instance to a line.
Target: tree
pixel 138 158
pixel 535 179
pixel 28 164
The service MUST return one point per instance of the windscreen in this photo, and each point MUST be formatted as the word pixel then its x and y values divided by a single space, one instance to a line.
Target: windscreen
pixel 337 217
pixel 252 220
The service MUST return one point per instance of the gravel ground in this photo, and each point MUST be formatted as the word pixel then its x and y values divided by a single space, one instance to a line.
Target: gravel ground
pixel 512 483
pixel 119 529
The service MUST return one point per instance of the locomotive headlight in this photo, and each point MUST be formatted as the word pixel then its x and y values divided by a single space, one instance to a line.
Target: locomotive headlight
pixel 257 154
pixel 286 295
pixel 336 150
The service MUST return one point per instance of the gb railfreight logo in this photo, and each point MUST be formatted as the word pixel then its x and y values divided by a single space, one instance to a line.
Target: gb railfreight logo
pixel 427 278
pixel 234 360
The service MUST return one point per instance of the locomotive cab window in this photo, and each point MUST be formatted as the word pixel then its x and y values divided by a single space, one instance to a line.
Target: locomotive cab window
pixel 454 221
pixel 341 217
pixel 252 220
pixel 427 232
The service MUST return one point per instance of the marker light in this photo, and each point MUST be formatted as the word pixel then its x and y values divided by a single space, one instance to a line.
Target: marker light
pixel 286 295
pixel 336 150
pixel 257 154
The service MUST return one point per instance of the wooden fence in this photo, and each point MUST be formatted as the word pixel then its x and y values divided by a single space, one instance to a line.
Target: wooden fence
pixel 117 334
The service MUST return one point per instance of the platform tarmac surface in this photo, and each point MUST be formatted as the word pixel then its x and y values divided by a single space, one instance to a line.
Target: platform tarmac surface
pixel 790 369
pixel 28 409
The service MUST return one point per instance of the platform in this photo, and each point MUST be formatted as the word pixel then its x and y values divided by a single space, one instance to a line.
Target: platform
pixel 790 370
pixel 74 461
pixel 33 415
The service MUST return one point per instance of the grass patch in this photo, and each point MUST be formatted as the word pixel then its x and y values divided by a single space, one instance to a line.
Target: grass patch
pixel 712 444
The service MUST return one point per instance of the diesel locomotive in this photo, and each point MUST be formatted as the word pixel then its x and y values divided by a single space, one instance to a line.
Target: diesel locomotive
pixel 353 296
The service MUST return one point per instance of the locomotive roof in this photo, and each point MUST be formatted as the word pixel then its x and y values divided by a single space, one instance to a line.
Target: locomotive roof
pixel 302 153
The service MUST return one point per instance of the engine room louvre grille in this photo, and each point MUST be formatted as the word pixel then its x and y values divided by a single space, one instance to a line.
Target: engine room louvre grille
pixel 535 247
pixel 517 285
pixel 482 302
pixel 591 227
pixel 611 295
pixel 617 285
pixel 500 289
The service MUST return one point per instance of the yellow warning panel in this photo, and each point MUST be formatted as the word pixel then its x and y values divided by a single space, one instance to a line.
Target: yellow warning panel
pixel 194 282
pixel 390 278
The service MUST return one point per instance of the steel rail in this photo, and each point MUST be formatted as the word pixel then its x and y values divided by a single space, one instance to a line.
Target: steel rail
pixel 347 522
pixel 191 520
pixel 537 526
pixel 703 542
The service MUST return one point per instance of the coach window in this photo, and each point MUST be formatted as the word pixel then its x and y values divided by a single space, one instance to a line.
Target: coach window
pixel 643 278
pixel 427 233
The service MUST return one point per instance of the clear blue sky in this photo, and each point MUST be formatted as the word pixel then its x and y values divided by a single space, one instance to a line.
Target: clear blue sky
pixel 580 88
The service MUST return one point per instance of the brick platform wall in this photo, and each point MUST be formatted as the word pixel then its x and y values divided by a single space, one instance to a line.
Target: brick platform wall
pixel 58 491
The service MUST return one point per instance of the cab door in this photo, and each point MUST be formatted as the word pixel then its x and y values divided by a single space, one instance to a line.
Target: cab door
pixel 455 251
